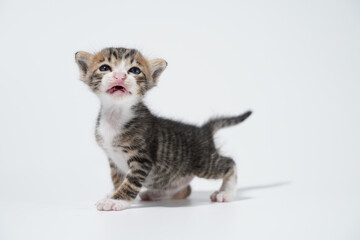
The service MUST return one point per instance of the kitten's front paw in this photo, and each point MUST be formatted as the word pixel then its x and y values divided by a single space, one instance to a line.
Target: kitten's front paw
pixel 222 196
pixel 109 204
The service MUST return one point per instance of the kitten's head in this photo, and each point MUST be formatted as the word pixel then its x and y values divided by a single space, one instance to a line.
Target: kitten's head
pixel 116 74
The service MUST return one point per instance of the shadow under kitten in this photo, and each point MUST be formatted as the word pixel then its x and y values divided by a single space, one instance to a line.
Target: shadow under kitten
pixel 201 198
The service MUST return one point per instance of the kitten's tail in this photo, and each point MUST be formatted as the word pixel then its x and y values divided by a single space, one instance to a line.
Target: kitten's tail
pixel 217 123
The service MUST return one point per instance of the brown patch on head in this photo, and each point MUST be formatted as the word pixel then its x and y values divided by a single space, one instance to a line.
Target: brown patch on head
pixel 99 58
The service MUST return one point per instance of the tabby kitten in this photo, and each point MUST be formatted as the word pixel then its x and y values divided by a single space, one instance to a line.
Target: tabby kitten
pixel 145 150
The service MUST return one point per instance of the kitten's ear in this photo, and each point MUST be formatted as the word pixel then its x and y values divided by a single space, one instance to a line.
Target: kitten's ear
pixel 83 60
pixel 157 67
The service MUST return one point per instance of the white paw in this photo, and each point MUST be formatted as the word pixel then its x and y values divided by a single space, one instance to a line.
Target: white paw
pixel 222 196
pixel 109 204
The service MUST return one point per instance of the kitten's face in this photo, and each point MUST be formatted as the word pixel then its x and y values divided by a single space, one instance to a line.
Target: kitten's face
pixel 116 74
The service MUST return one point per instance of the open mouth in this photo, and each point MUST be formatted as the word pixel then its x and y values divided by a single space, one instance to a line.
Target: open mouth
pixel 117 89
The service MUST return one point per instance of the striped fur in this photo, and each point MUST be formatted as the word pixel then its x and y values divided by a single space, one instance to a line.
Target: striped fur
pixel 145 150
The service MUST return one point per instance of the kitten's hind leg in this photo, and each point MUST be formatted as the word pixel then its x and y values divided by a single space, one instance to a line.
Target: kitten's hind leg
pixel 225 168
pixel 227 190
pixel 156 195
pixel 182 194
pixel 153 195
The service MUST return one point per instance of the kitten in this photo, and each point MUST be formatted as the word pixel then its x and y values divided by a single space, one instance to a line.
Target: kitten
pixel 144 150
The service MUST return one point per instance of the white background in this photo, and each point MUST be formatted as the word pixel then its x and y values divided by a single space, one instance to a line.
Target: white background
pixel 296 64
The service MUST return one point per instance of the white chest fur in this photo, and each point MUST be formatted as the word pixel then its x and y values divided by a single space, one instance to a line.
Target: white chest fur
pixel 111 122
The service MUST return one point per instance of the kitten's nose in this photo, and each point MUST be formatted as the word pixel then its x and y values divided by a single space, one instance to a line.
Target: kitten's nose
pixel 120 76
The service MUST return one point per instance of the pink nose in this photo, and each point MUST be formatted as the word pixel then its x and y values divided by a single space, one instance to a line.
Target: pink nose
pixel 119 76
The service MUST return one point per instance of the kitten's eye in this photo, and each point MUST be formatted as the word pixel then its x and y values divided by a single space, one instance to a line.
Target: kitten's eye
pixel 104 68
pixel 135 70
